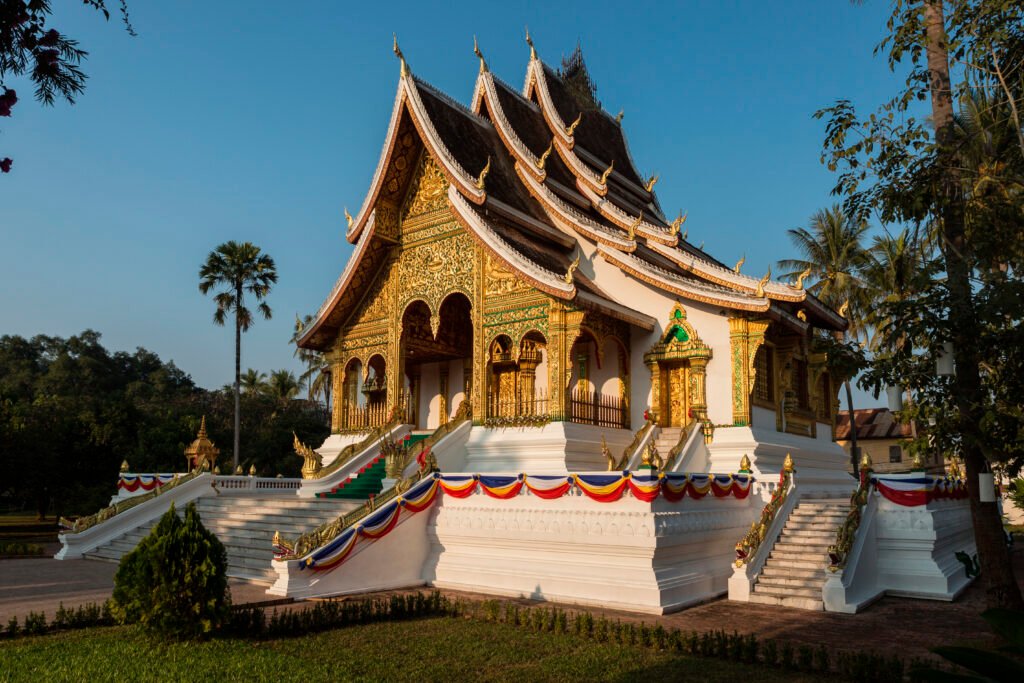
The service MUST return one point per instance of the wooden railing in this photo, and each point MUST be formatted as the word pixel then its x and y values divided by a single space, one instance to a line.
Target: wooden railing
pixel 592 408
pixel 375 415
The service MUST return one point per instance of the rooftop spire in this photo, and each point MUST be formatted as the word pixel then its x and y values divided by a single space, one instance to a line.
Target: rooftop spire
pixel 478 53
pixel 401 57
pixel 529 41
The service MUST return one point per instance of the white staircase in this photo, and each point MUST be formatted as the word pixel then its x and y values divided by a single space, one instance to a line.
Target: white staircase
pixel 667 439
pixel 246 526
pixel 793 574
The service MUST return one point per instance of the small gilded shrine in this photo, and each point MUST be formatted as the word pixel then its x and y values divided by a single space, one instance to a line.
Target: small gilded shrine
pixel 201 454
pixel 511 258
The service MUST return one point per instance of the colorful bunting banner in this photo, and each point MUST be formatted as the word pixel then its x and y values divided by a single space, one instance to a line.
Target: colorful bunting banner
pixel 914 491
pixel 145 482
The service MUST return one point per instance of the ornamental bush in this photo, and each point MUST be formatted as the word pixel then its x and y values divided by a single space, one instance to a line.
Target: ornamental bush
pixel 175 581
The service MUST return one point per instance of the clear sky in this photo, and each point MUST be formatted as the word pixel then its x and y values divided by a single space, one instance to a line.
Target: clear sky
pixel 260 121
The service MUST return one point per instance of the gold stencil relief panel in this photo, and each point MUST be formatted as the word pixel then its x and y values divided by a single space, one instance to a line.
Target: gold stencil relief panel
pixel 500 281
pixel 433 270
pixel 428 190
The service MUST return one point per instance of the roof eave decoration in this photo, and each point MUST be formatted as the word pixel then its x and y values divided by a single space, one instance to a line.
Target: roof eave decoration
pixel 620 218
pixel 407 99
pixel 340 285
pixel 668 281
pixel 489 95
pixel 726 277
pixel 541 278
pixel 569 218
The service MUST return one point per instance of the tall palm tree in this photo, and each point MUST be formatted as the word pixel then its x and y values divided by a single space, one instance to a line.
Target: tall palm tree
pixel 890 265
pixel 237 269
pixel 283 386
pixel 833 252
pixel 253 382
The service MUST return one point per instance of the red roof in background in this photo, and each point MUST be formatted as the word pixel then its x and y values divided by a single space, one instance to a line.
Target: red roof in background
pixel 872 423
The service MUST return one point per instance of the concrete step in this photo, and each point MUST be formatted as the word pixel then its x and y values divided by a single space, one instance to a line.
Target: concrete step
pixel 811 524
pixel 798 603
pixel 794 564
pixel 791 582
pixel 808 535
pixel 813 593
pixel 802 556
pixel 770 570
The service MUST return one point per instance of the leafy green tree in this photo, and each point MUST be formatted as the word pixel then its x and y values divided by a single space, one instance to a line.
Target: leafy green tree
pixel 30 46
pixel 283 386
pixel 237 269
pixel 954 185
pixel 317 375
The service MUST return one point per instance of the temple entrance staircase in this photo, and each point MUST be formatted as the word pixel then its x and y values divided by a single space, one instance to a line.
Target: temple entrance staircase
pixel 793 574
pixel 368 480
pixel 246 526
pixel 666 439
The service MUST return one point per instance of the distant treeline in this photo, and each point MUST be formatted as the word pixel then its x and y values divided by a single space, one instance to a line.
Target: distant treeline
pixel 71 412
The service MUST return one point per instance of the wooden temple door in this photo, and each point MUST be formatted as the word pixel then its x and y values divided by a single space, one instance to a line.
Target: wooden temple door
pixel 674 400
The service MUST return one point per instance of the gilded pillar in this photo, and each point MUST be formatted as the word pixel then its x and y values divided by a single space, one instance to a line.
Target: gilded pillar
pixel 745 337
pixel 443 390
pixel 337 391
pixel 655 404
pixel 698 387
pixel 564 326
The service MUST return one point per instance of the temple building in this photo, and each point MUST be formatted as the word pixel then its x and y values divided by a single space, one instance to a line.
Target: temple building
pixel 511 255
pixel 542 389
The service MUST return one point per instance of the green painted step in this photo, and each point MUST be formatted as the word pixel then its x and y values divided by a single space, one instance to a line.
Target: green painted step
pixel 369 480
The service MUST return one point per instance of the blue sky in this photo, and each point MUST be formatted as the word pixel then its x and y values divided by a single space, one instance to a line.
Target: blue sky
pixel 260 121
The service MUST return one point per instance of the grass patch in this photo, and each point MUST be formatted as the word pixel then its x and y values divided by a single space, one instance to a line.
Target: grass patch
pixel 436 648
pixel 20 549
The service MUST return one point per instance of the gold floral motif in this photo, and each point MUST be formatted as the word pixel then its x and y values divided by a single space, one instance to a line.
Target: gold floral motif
pixel 428 190
pixel 499 281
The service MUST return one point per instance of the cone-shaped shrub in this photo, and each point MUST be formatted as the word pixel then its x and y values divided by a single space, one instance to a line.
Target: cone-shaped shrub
pixel 175 581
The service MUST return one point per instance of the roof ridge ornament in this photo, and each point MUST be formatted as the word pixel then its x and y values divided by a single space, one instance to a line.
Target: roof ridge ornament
pixel 401 58
pixel 571 130
pixel 764 281
pixel 678 223
pixel 483 174
pixel 478 53
pixel 739 264
pixel 543 160
pixel 618 117
pixel 652 182
pixel 799 284
pixel 572 269
pixel 529 41
pixel 844 309
pixel 348 218
pixel 607 172
pixel 634 226
pixel 802 315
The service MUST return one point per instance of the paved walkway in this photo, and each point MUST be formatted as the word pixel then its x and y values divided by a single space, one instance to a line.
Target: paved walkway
pixel 891 626
pixel 43 584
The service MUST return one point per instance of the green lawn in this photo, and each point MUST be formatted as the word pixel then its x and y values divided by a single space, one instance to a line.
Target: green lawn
pixel 433 649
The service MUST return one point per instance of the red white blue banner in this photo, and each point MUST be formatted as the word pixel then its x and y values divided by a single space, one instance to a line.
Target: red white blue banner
pixel 142 482
pixel 914 491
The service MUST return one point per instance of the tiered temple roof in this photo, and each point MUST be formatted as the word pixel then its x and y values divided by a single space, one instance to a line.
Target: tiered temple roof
pixel 532 174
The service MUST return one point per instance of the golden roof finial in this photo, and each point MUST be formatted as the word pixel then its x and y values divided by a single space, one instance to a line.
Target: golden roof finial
pixel 799 284
pixel 348 218
pixel 202 428
pixel 607 172
pixel 701 247
pixel 787 464
pixel 678 222
pixel 652 182
pixel 529 41
pixel 844 308
pixel 745 463
pixel 739 264
pixel 802 315
pixel 398 53
pixel 618 117
pixel 635 225
pixel 763 282
pixel 544 157
pixel 478 53
pixel 483 174
pixel 572 127
pixel 572 269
